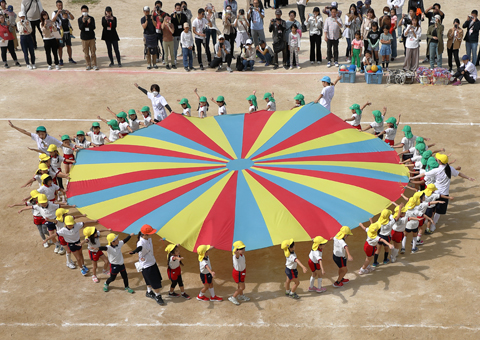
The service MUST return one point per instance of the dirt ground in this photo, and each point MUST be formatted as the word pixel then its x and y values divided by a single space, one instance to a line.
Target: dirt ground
pixel 432 294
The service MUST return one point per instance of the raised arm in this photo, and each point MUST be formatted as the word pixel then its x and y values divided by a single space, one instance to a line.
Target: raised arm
pixel 140 88
pixel 25 132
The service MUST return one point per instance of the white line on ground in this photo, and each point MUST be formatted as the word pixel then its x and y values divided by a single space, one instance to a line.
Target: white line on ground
pixel 230 325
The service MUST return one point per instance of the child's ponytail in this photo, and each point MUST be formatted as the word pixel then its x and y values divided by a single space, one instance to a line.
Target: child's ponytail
pixel 139 236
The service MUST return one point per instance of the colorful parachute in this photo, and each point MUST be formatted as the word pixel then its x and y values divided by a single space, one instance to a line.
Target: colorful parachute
pixel 260 178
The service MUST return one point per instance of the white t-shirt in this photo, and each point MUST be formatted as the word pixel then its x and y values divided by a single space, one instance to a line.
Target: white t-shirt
pixel 147 121
pixel 400 224
pixel 146 253
pixel 158 104
pixel 49 191
pixel 390 133
pixel 56 163
pixel 68 151
pixel 315 256
pixel 377 127
pixel 271 106
pixel 291 261
pixel 356 119
pixel 124 127
pixel 71 235
pixel 115 255
pixel 328 93
pixel 408 143
pixel 134 124
pixel 36 208
pixel 49 211
pixel 339 247
pixel 202 111
pixel 173 264
pixel 113 135
pixel 51 173
pixel 200 25
pixel 373 241
pixel 85 144
pixel 187 112
pixel 203 265
pixel 252 108
pixel 43 144
pixel 412 42
pixel 431 198
pixel 222 110
pixel 98 139
pixel 442 182
pixel 386 229
pixel 239 264
pixel 93 246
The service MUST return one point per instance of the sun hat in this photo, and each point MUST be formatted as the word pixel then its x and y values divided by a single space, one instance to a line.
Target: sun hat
pixel 384 216
pixel 203 99
pixel 253 98
pixel 301 98
pixel 344 231
pixel 220 99
pixel 185 101
pixel 237 245
pixel 327 79
pixel 59 214
pixel 201 251
pixel 356 107
pixel 122 114
pixel 408 131
pixel 286 247
pixel 318 241
pixel 80 133
pixel 42 198
pixel 442 158
pixel 145 109
pixel 111 238
pixel 88 231
pixel 378 116
pixel 95 124
pixel 41 128
pixel 132 112
pixel 65 137
pixel 147 230
pixel 392 120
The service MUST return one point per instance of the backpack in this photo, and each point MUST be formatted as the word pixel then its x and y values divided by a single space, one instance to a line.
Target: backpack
pixel 239 65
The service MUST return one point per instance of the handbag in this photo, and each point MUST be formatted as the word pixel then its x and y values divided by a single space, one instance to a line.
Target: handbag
pixel 56 35
pixel 278 46
pixel 138 266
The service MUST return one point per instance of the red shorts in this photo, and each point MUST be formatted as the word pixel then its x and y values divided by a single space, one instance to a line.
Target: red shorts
pixel 369 250
pixel 397 236
pixel 62 240
pixel 123 134
pixel 238 276
pixel 38 220
pixel 390 142
pixel 95 256
pixel 313 266
pixel 173 274
pixel 358 127
pixel 420 223
pixel 65 157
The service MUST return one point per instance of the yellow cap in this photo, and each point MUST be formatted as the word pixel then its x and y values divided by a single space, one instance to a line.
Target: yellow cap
pixel 52 148
pixel 385 216
pixel 430 189
pixel 397 208
pixel 318 241
pixel 169 249
pixel 344 231
pixel 286 246
pixel 44 157
pixel 111 237
pixel 237 245
pixel 69 220
pixel 42 166
pixel 59 214
pixel 201 251
pixel 88 231
pixel 41 198
pixel 44 176
pixel 442 158
pixel 34 194
pixel 373 229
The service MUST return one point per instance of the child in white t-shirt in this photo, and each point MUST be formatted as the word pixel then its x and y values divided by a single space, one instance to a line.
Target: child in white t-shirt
pixel 391 130
pixel 97 138
pixel 133 121
pixel 270 100
pixel 370 246
pixel 68 149
pixel 222 106
pixel 206 274
pixel 366 61
pixel 202 105
pixel 186 107
pixel 294 43
pixel 80 141
pixel 239 272
pixel 377 125
pixel 147 117
pixel 315 264
pixel 356 115
pixel 288 247
pixel 328 91
pixel 252 102
pixel 174 270
pixel 341 254
pixel 92 239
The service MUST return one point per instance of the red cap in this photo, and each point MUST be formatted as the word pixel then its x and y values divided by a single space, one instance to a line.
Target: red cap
pixel 147 230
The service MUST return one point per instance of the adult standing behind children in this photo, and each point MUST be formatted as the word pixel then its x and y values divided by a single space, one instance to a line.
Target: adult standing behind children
pixel 472 26
pixel 148 23
pixel 255 15
pixel 32 10
pixel 110 35
pixel 26 40
pixel 62 19
pixel 178 19
pixel 454 41
pixel 86 24
pixel 314 24
pixel 435 35
pixel 277 27
pixel 332 27
pixel 412 36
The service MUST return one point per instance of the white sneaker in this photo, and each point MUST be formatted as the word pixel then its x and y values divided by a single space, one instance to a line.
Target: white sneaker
pixel 299 67
pixel 88 68
pixel 319 62
pixel 71 265
pixel 370 268
pixel 49 67
pixel 95 68
pixel 57 67
pixel 243 297
pixel 61 251
pixel 336 64
pixel 393 259
pixel 46 245
pixel 311 62
pixel 290 68
pixel 363 271
pixel 233 300
pixel 329 64
pixel 229 69
pixel 34 67
pixel 29 66
pixel 57 248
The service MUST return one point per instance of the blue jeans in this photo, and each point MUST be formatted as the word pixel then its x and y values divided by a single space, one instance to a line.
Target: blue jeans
pixel 247 63
pixel 394 44
pixel 433 49
pixel 187 57
pixel 472 51
pixel 267 57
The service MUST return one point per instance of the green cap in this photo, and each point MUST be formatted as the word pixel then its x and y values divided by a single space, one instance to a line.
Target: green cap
pixel 131 112
pixel 392 120
pixel 267 95
pixel 220 99
pixel 203 99
pixel 122 114
pixel 420 148
pixel 356 107
pixel 41 128
pixel 185 101
pixel 65 137
pixel 145 109
pixel 113 124
pixel 408 131
pixel 95 124
pixel 378 116
pixel 301 98
pixel 253 98
pixel 80 133
pixel 419 140
pixel 432 164
pixel 425 156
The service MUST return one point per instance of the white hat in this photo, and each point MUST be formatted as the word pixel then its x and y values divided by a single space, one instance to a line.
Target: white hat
pixel 248 42
pixel 334 4
pixel 221 36
pixel 21 14
pixel 185 24
pixel 438 17
pixel 146 8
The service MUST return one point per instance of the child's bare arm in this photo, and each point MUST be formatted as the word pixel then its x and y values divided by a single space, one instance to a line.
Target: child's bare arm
pixel 349 257
pixel 113 113
pixel 36 150
pixel 209 270
pixel 301 265
pixel 196 93
pixel 365 105
pixel 103 120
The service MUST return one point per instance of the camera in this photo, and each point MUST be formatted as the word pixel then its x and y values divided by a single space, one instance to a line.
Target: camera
pixel 221 44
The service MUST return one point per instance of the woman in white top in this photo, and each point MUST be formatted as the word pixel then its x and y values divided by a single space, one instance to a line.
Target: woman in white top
pixel 146 258
pixel 412 35
pixel 49 40
pixel 353 23
pixel 241 24
pixel 159 103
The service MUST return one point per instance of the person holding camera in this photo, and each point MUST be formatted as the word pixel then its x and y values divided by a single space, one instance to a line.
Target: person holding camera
pixel 178 19
pixel 241 25
pixel 63 27
pixel 86 24
pixel 431 14
pixel 199 27
pixel 110 35
pixel 332 27
pixel 405 21
pixel 211 31
pixel 222 54
pixel 471 36
pixel 168 45
pixel 454 40
pixel 187 12
pixel 158 17
pixel 32 10
pixel 328 10
pixel 255 15
pixel 6 42
pixel 229 30
pixel 435 38
pixel 248 56
pixel 233 6
pixel 265 53
pixel 314 24
pixel 49 40
pixel 150 37
pixel 412 35
pixel 278 27
pixel 26 40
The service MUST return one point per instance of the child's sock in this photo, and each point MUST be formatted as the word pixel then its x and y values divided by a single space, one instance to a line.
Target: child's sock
pixel 156 294
pixel 68 258
pixel 418 238
pixel 149 289
pixel 312 281
pixel 319 282
pixel 394 252
pixel 404 242
pixel 433 227
pixel 383 64
pixel 385 256
pixel 212 292
pixel 287 291
pixel 387 64
pixel 436 217
pixel 201 294
pixel 375 258
pixel 414 243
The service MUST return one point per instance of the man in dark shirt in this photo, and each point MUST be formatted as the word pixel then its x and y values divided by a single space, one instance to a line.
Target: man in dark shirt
pixel 86 24
pixel 472 26
pixel 158 13
pixel 178 19
pixel 430 14
pixel 277 27
pixel 150 38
